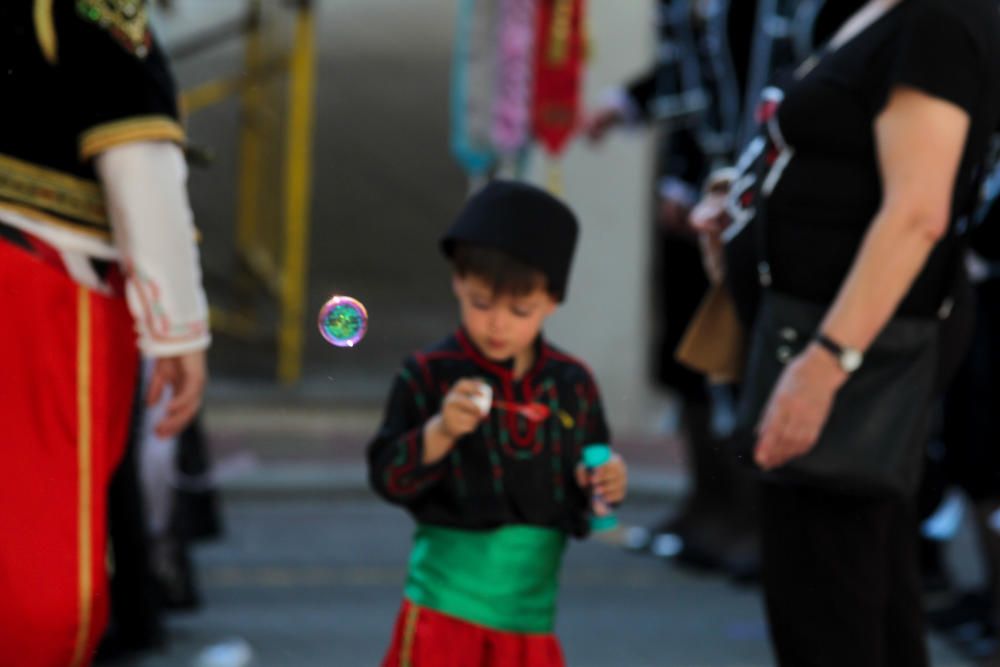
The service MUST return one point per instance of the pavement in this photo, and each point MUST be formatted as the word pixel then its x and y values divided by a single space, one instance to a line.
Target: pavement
pixel 311 566
pixel 299 449
pixel 316 581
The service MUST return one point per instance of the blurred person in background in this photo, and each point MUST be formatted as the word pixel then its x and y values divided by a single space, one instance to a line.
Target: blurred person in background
pixel 708 55
pixel 688 86
pixel 153 571
pixel 97 245
pixel 848 199
pixel 135 619
pixel 192 515
pixel 970 432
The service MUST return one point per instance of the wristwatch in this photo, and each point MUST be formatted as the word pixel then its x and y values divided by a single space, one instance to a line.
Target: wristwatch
pixel 849 358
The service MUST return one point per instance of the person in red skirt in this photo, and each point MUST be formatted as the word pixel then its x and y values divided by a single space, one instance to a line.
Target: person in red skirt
pixel 97 245
pixel 482 442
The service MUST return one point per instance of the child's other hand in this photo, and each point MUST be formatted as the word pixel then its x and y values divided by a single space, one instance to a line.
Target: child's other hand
pixel 610 480
pixel 459 414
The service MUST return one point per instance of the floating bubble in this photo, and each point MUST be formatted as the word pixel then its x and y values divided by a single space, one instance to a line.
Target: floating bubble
pixel 343 321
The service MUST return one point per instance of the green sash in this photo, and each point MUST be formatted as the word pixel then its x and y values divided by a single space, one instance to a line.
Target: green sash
pixel 505 579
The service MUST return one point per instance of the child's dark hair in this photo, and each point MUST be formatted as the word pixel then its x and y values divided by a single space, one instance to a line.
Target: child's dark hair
pixel 504 274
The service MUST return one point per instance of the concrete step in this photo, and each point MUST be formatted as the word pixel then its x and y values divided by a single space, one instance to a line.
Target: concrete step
pixel 294 449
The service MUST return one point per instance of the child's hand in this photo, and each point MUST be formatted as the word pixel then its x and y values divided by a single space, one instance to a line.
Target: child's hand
pixel 460 415
pixel 610 480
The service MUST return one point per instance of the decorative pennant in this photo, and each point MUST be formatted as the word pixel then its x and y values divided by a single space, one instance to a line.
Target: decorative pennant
pixel 511 130
pixel 559 57
pixel 472 86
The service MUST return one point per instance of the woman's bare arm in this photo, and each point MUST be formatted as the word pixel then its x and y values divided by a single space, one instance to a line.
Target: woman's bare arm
pixel 920 141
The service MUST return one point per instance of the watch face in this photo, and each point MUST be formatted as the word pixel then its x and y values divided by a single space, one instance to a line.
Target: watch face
pixel 850 360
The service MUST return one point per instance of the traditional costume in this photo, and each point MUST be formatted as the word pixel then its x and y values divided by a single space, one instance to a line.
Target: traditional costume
pixel 493 515
pixel 93 207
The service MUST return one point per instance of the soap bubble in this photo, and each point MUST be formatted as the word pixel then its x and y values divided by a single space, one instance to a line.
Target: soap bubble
pixel 343 321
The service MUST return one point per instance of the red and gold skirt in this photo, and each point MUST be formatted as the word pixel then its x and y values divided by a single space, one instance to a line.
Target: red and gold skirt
pixel 66 388
pixel 426 638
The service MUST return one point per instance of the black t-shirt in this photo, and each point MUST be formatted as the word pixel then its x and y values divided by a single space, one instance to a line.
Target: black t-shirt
pixel 822 183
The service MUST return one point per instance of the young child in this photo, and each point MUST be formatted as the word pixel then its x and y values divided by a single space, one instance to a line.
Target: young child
pixel 482 443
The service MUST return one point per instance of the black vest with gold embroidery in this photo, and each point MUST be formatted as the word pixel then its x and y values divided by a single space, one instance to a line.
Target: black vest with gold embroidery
pixel 76 77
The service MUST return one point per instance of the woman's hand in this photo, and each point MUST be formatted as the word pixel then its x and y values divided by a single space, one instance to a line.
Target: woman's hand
pixel 708 220
pixel 597 124
pixel 798 408
pixel 674 215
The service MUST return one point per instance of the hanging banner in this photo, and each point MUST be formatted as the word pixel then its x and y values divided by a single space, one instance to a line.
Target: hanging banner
pixel 559 58
pixel 473 85
pixel 515 66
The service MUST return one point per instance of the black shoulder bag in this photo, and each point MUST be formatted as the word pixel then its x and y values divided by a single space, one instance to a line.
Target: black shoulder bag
pixel 873 440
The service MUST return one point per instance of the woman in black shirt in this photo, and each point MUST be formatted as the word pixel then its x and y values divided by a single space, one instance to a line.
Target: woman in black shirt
pixel 871 150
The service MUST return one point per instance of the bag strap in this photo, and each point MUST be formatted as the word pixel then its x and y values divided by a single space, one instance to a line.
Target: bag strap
pixel 760 218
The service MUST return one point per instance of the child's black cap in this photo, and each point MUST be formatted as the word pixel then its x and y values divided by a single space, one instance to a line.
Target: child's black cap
pixel 523 221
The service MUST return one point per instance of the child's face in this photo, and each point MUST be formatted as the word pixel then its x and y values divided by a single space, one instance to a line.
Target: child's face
pixel 501 325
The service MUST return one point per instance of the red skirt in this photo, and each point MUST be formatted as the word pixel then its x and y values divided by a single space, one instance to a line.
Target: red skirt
pixel 66 386
pixel 426 638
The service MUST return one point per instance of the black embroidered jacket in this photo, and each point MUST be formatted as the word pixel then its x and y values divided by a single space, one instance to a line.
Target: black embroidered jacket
pixel 510 470
pixel 76 78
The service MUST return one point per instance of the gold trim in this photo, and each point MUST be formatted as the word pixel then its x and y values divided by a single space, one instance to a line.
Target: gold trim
pixel 51 190
pixel 42 216
pixel 140 128
pixel 84 455
pixel 45 31
pixel 409 634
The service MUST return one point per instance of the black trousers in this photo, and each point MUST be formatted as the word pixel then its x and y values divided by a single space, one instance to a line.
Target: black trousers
pixel 136 621
pixel 971 419
pixel 841 579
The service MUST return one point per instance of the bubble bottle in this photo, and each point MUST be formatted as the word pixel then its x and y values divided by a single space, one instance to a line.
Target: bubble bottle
pixel 602 515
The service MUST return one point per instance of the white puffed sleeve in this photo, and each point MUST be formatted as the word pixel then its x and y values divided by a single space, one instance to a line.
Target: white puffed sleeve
pixel 146 195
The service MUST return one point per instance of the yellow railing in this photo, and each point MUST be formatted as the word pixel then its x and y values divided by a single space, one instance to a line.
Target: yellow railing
pixel 298 174
pixel 271 245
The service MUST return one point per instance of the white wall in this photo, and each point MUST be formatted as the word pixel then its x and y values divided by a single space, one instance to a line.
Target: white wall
pixel 605 320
